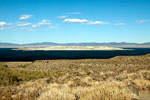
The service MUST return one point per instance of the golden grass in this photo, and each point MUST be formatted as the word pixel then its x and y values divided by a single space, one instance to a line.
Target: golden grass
pixel 111 91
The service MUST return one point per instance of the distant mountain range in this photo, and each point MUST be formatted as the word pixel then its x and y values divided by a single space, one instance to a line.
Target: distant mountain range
pixel 112 44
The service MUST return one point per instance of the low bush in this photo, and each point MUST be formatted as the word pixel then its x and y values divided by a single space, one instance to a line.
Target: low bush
pixel 15 77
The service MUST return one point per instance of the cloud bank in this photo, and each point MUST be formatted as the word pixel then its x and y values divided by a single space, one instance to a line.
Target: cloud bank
pixel 42 23
pixel 142 21
pixel 4 25
pixel 98 22
pixel 23 24
pixel 75 20
pixel 24 17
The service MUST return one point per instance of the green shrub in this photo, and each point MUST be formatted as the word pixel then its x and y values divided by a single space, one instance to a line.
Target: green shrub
pixel 15 77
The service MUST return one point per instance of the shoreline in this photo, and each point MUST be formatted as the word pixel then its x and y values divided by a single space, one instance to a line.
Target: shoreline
pixel 50 48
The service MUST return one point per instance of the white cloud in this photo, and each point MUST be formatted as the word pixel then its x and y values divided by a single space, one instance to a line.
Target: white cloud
pixel 74 20
pixel 23 24
pixel 23 17
pixel 73 13
pixel 98 22
pixel 4 25
pixel 43 23
pixel 120 24
pixel 61 16
pixel 52 27
pixel 142 21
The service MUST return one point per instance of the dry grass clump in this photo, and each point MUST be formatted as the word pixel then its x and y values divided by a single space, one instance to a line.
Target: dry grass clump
pixel 57 92
pixel 142 85
pixel 12 94
pixel 111 91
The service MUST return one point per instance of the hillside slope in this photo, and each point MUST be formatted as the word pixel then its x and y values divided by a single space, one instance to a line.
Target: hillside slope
pixel 122 77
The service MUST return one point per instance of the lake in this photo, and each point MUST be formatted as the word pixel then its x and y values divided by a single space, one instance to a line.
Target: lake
pixel 8 54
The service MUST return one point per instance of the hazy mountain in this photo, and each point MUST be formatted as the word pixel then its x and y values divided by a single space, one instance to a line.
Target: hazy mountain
pixel 112 44
pixel 8 44
pixel 42 43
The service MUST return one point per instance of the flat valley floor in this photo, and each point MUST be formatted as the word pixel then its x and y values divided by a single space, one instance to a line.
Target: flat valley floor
pixel 118 78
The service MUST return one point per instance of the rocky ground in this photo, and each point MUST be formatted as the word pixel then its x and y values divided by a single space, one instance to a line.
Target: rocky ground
pixel 118 78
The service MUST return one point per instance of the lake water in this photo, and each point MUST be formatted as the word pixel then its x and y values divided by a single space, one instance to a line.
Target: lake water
pixel 7 54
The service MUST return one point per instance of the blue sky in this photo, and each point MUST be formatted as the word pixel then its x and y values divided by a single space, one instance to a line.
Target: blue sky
pixel 64 21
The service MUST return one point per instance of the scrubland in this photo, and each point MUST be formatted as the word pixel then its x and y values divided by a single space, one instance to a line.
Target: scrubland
pixel 118 78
